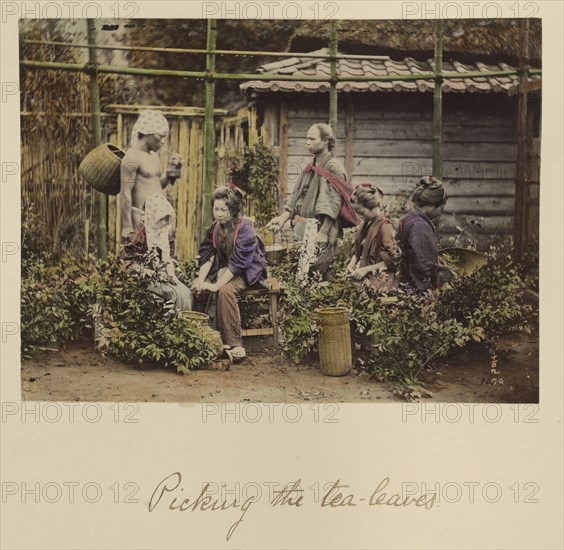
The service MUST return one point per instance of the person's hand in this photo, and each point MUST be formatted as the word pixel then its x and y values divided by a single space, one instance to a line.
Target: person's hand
pixel 174 160
pixel 361 272
pixel 212 287
pixel 274 224
pixel 197 285
pixel 174 167
pixel 350 268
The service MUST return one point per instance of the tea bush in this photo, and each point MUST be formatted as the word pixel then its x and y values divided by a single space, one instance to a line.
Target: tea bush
pixel 60 297
pixel 408 331
pixel 138 326
pixel 408 334
pixel 490 298
pixel 55 306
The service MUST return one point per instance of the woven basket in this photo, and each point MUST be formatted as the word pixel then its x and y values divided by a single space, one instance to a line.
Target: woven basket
pixel 335 351
pixel 466 261
pixel 101 168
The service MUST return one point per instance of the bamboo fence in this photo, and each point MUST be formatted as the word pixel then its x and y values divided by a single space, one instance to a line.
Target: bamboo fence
pixel 199 136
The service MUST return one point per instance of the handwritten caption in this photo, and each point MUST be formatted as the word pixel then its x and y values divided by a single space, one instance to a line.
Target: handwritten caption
pixel 170 495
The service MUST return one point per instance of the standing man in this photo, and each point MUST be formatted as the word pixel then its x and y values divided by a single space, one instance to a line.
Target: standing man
pixel 314 197
pixel 141 168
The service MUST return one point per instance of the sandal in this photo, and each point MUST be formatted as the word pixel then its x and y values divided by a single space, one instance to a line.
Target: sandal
pixel 236 354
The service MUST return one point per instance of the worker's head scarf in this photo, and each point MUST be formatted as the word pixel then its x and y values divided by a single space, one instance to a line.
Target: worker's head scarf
pixel 429 191
pixel 149 122
pixel 159 220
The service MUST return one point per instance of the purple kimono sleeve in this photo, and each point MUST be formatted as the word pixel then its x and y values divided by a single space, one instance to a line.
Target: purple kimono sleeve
pixel 241 259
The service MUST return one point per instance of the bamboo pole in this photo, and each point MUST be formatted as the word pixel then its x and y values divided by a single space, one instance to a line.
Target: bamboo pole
pixel 182 217
pixel 218 52
pixel 122 143
pixel 115 69
pixel 333 85
pixel 521 207
pixel 209 126
pixel 101 198
pixel 438 104
pixel 194 190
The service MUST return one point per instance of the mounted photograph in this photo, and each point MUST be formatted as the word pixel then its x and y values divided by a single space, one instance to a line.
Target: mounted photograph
pixel 288 211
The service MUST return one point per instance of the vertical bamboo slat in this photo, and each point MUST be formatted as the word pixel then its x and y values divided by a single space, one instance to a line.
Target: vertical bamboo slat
pixel 182 184
pixel 195 182
pixel 122 145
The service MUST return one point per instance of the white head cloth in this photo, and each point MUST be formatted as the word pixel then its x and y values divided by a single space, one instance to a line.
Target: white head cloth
pixel 157 208
pixel 149 122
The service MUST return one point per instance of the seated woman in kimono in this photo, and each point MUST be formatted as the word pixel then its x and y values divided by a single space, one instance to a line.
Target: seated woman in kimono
pixel 231 259
pixel 376 257
pixel 158 222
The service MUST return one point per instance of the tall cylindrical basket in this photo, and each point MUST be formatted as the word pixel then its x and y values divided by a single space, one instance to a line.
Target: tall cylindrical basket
pixel 335 353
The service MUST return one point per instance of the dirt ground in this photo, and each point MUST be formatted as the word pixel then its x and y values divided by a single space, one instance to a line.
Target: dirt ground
pixel 80 373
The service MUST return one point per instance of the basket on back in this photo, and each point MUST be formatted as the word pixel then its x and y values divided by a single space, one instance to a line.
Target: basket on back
pixel 466 261
pixel 101 168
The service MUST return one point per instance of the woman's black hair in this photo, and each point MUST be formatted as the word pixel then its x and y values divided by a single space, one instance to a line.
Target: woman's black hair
pixel 368 195
pixel 429 191
pixel 233 198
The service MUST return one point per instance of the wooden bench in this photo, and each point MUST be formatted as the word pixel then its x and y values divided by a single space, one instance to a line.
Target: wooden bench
pixel 273 293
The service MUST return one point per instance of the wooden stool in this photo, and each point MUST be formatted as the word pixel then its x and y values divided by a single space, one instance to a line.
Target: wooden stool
pixel 273 294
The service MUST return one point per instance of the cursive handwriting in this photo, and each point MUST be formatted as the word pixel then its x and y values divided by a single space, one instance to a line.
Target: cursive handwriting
pixel 169 493
pixel 202 503
pixel 379 497
pixel 291 496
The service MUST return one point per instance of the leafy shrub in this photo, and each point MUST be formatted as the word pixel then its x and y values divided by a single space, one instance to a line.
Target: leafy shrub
pixel 407 331
pixel 60 296
pixel 300 300
pixel 140 327
pixel 256 173
pixel 490 298
pixel 55 306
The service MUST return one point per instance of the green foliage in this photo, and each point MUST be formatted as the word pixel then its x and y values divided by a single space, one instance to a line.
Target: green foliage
pixel 529 268
pixel 490 298
pixel 301 299
pixel 407 331
pixel 60 297
pixel 139 326
pixel 54 303
pixel 188 270
pixel 408 334
pixel 256 173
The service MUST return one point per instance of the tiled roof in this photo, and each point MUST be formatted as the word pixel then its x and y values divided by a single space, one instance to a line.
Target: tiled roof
pixel 316 67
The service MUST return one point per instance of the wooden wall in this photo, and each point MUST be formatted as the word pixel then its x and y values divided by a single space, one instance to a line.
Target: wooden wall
pixel 387 139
